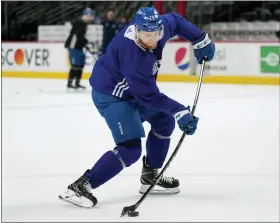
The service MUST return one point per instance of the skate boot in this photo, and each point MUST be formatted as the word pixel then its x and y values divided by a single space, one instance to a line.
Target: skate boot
pixel 79 193
pixel 165 185
pixel 78 86
pixel 69 85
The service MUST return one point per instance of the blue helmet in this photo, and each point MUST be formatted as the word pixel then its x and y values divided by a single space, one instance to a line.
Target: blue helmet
pixel 88 11
pixel 148 19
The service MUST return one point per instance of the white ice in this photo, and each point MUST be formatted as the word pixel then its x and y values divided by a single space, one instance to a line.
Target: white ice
pixel 228 170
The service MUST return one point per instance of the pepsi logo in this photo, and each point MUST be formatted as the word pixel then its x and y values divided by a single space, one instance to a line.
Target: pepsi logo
pixel 181 59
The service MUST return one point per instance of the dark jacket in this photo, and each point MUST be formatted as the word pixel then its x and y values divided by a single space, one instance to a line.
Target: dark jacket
pixel 76 38
pixel 110 30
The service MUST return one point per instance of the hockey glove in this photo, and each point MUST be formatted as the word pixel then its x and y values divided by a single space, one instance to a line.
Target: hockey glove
pixel 186 121
pixel 203 48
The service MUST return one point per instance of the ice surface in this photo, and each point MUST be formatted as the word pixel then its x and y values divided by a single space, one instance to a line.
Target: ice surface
pixel 228 170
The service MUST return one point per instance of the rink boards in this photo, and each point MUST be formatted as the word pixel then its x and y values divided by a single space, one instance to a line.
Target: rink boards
pixel 234 62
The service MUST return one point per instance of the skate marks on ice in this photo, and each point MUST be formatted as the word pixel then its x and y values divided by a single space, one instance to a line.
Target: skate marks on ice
pixel 23 89
pixel 39 201
pixel 202 198
pixel 236 137
pixel 47 106
pixel 31 94
pixel 65 90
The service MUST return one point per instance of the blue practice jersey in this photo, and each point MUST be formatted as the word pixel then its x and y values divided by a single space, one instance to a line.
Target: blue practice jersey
pixel 129 71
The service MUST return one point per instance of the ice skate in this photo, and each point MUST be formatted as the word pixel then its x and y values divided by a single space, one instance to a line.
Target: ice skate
pixel 79 86
pixel 70 86
pixel 79 193
pixel 166 185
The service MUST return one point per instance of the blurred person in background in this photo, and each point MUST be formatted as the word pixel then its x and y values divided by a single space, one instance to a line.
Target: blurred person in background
pixel 97 20
pixel 75 43
pixel 110 29
pixel 123 23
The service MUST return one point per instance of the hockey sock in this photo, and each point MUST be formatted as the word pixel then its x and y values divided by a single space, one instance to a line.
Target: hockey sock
pixel 78 76
pixel 72 73
pixel 157 148
pixel 113 162
pixel 105 168
pixel 71 76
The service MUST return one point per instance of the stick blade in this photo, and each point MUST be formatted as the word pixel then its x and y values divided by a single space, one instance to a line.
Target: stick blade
pixel 128 210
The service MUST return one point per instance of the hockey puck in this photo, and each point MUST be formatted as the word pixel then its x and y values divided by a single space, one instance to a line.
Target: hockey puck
pixel 133 214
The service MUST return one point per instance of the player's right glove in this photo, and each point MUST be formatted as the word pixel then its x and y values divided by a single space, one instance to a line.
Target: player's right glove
pixel 186 121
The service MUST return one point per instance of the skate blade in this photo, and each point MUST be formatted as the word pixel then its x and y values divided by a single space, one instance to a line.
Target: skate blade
pixel 158 190
pixel 71 197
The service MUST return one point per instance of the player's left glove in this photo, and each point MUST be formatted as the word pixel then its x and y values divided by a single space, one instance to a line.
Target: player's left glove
pixel 203 48
pixel 186 121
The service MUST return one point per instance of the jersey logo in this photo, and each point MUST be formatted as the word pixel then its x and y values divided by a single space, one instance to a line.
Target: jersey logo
pixel 156 67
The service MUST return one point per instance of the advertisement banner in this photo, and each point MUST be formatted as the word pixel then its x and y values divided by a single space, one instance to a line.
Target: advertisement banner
pixel 176 59
pixel 244 59
pixel 270 59
pixel 234 62
pixel 33 57
pixel 219 65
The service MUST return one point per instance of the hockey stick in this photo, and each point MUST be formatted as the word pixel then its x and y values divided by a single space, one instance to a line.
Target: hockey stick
pixel 130 210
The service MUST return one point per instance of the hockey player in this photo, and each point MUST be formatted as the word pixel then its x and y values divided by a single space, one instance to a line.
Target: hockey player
pixel 110 29
pixel 125 92
pixel 75 43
